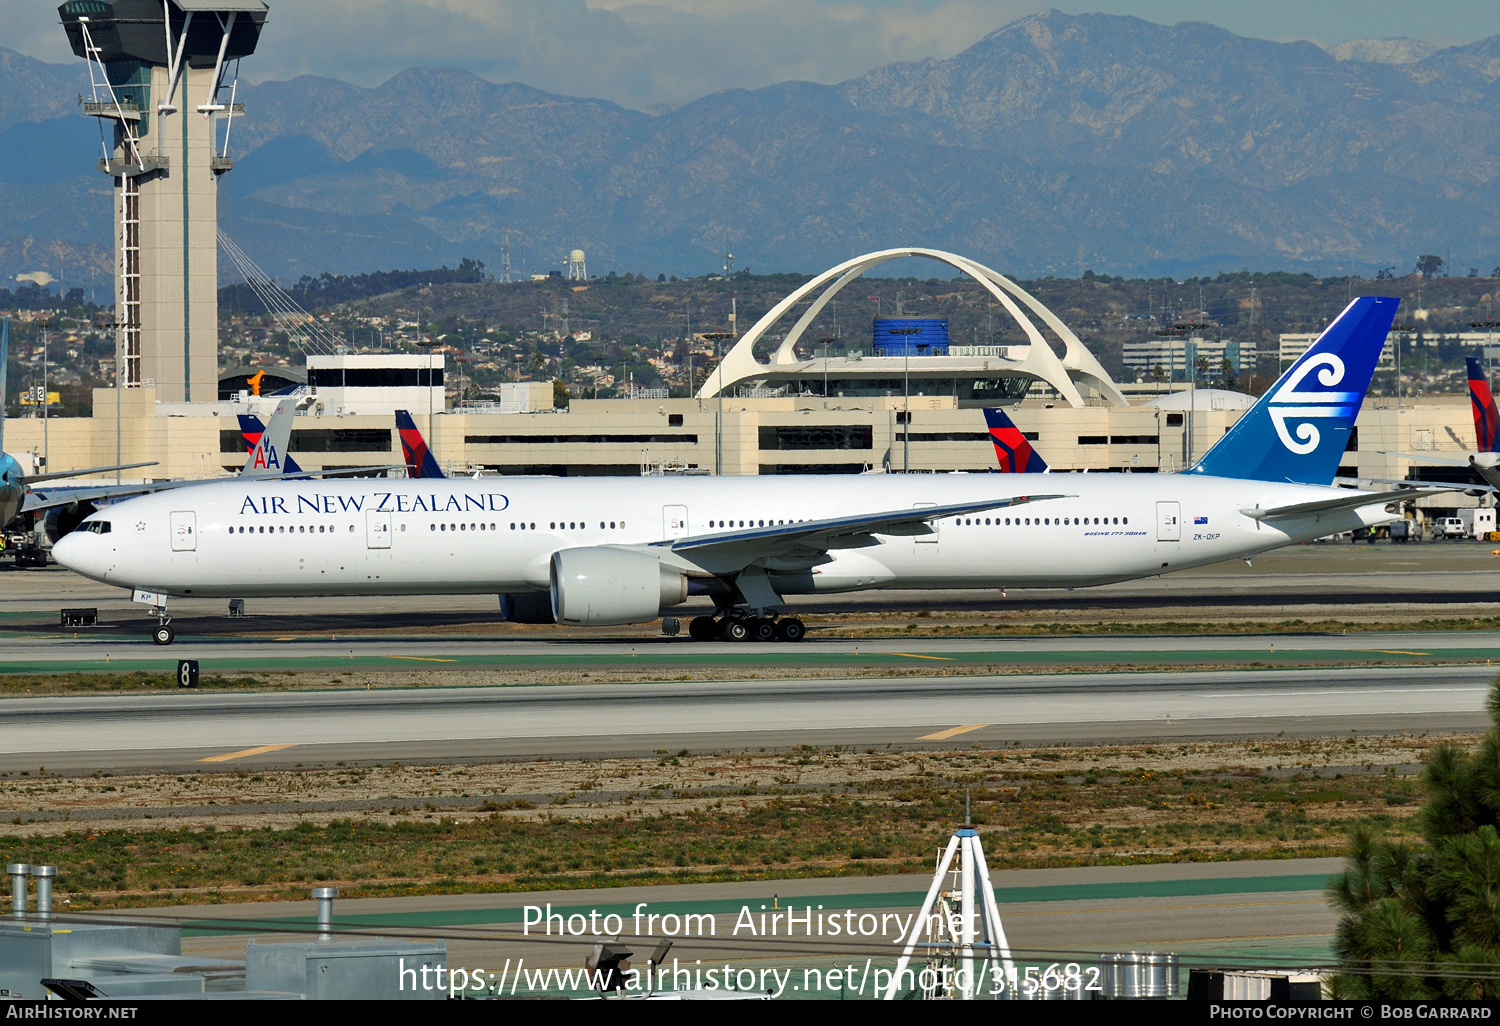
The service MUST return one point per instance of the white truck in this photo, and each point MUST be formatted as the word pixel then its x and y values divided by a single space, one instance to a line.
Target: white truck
pixel 1477 523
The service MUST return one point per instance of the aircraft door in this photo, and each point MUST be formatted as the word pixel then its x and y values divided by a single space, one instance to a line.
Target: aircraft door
pixel 1168 521
pixel 674 521
pixel 184 531
pixel 936 525
pixel 377 530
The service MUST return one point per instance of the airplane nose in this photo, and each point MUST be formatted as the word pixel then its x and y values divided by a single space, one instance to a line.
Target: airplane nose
pixel 80 554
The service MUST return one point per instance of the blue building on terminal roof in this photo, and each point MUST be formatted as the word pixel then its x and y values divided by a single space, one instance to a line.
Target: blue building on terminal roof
pixel 930 338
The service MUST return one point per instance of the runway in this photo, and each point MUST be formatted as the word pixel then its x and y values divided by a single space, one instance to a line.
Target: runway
pixel 281 729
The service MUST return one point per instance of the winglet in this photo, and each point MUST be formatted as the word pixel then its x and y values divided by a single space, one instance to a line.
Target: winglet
pixel 419 459
pixel 1299 429
pixel 1486 418
pixel 1012 448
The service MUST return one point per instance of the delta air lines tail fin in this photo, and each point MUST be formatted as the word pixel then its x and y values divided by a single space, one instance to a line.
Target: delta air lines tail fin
pixel 1299 429
pixel 419 459
pixel 268 448
pixel 1012 448
pixel 1486 418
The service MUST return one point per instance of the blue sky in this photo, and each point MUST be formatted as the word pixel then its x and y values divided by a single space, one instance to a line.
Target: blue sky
pixel 644 52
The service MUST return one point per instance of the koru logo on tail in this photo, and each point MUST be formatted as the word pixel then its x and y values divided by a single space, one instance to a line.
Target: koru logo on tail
pixel 1291 404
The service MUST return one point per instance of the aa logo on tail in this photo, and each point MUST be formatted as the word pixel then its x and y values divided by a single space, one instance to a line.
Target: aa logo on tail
pixel 265 458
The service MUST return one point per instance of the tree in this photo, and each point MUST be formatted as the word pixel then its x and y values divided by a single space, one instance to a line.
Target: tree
pixel 1429 265
pixel 560 394
pixel 1422 920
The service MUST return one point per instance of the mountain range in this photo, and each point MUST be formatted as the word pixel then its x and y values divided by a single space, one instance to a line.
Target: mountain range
pixel 1055 144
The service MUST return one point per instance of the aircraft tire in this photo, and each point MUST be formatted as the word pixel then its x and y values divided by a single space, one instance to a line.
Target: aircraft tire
pixel 164 635
pixel 762 629
pixel 790 629
pixel 734 629
pixel 703 628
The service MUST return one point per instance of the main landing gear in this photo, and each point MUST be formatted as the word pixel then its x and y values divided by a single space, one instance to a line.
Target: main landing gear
pixel 746 627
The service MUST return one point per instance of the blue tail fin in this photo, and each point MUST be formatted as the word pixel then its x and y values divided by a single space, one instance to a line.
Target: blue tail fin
pixel 1298 430
pixel 1012 448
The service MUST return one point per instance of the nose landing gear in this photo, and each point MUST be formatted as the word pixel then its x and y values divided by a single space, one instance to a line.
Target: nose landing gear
pixel 163 634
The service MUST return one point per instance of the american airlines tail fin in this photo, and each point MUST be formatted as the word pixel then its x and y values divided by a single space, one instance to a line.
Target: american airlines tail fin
pixel 267 447
pixel 1486 418
pixel 1012 449
pixel 1299 429
pixel 419 458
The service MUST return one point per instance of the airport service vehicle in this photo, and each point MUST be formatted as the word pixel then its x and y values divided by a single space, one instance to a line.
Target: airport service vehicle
pixel 606 551
pixel 1478 523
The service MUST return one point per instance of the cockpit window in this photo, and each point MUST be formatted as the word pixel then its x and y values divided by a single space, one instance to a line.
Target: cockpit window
pixel 96 527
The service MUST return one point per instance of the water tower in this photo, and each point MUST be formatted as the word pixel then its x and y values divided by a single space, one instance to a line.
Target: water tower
pixel 158 71
pixel 577 269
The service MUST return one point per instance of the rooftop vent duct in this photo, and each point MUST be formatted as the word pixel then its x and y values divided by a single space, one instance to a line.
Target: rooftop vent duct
pixel 44 875
pixel 18 872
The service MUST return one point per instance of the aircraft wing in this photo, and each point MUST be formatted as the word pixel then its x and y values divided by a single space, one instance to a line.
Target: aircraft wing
pixel 730 551
pixel 340 471
pixel 1355 500
pixel 48 498
pixel 62 474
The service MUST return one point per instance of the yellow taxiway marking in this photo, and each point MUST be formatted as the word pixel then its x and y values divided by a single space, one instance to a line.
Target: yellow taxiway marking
pixel 423 659
pixel 944 735
pixel 917 655
pixel 248 751
pixel 1397 651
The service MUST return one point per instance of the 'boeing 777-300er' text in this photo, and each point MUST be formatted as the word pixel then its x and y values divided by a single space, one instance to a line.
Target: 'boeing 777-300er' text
pixel 621 550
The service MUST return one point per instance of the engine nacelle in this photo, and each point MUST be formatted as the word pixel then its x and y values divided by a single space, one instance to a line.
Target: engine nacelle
pixel 61 520
pixel 599 586
pixel 526 607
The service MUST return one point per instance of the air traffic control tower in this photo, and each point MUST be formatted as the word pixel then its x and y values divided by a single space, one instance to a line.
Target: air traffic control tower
pixel 158 70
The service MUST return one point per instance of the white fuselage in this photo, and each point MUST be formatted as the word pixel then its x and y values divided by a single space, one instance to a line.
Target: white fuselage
pixel 488 535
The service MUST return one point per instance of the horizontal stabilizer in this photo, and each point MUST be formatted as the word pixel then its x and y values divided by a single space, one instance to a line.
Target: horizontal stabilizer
pixel 1427 458
pixel 1354 500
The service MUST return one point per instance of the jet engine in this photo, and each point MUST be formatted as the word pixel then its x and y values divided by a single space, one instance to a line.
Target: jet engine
pixel 599 586
pixel 62 520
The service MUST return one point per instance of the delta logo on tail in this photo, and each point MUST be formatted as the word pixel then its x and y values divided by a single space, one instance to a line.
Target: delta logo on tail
pixel 264 457
pixel 1486 418
pixel 1014 452
pixel 419 458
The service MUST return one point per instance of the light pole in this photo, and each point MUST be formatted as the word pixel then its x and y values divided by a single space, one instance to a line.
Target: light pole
pixel 46 448
pixel 906 334
pixel 429 344
pixel 1400 330
pixel 825 342
pixel 717 337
